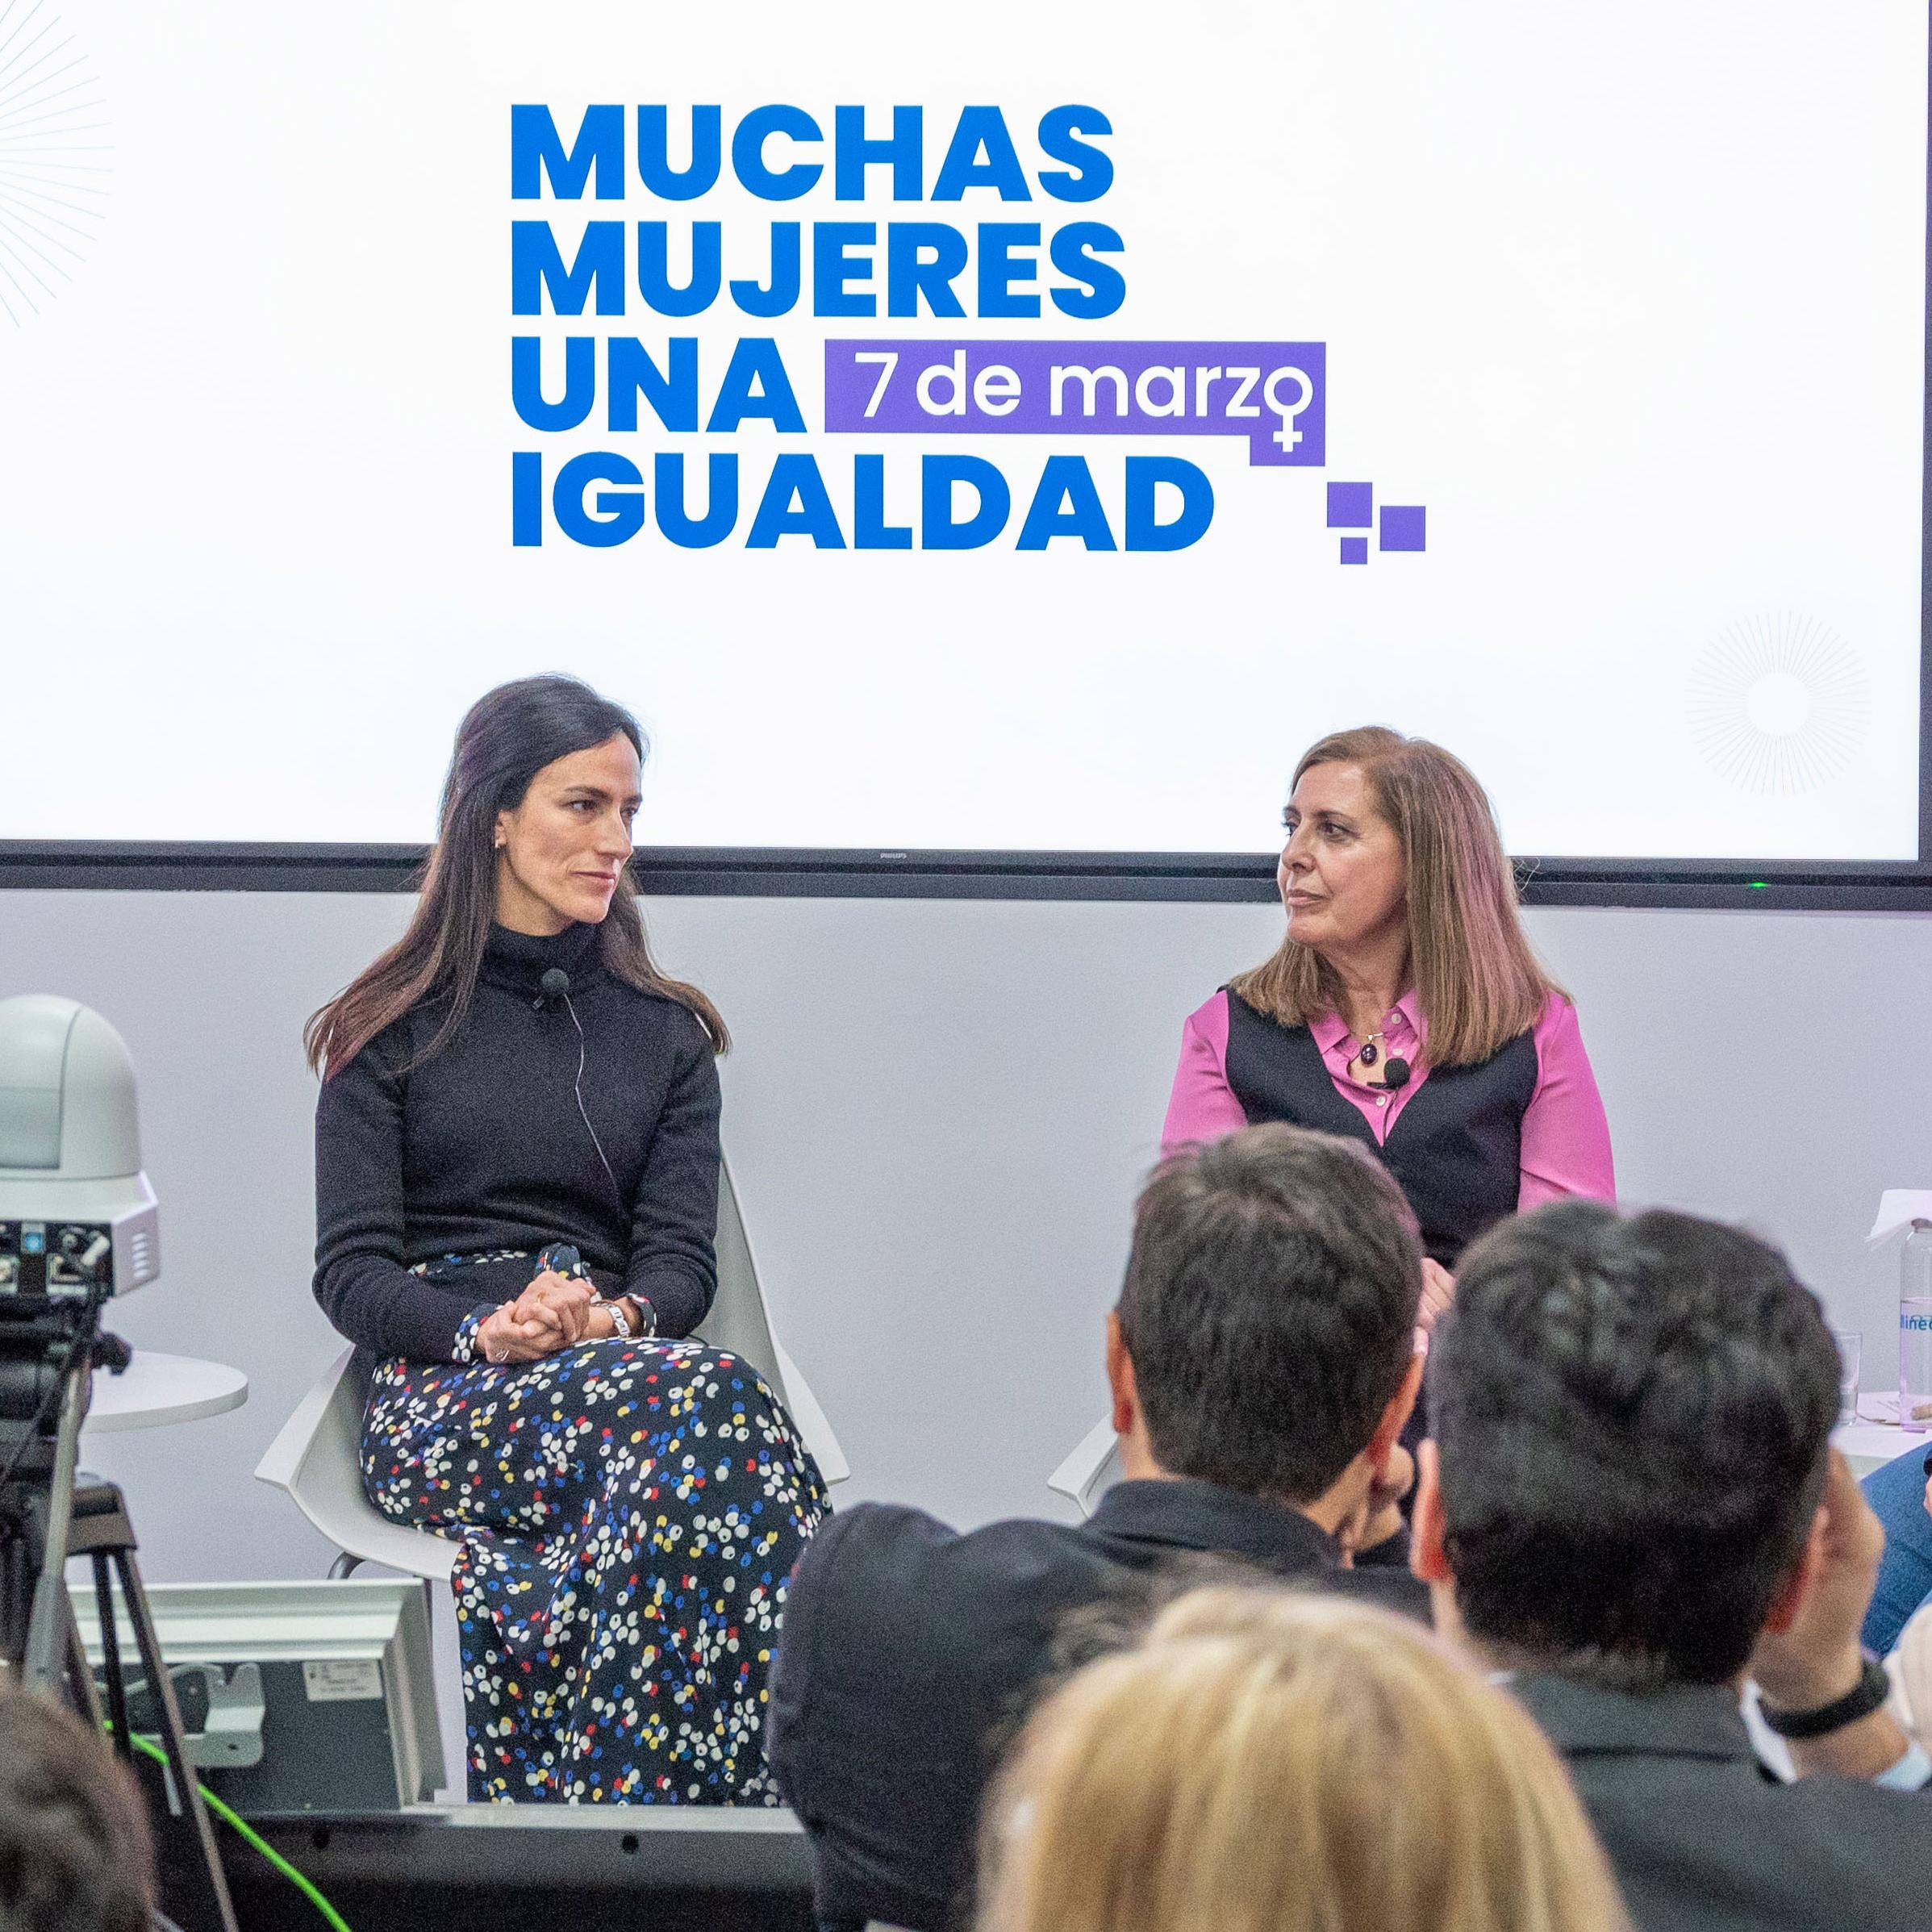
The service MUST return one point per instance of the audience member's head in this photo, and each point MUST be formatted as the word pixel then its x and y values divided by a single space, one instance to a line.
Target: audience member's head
pixel 1270 1762
pixel 1632 1419
pixel 1263 1340
pixel 74 1854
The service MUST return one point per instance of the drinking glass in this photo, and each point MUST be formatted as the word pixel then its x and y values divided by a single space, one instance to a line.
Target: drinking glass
pixel 1851 1344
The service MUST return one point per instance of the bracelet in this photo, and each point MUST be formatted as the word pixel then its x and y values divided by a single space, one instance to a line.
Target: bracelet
pixel 1870 1691
pixel 644 1327
pixel 621 1324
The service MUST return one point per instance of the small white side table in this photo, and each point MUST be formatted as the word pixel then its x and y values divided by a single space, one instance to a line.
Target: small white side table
pixel 158 1389
pixel 1875 1439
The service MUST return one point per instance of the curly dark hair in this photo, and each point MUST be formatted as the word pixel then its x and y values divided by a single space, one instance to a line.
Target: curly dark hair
pixel 1633 1417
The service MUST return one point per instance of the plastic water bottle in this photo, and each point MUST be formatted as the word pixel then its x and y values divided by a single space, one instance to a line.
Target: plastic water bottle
pixel 1915 1330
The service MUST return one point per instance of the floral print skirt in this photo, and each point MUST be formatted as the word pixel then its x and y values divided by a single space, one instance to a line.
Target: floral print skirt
pixel 629 1515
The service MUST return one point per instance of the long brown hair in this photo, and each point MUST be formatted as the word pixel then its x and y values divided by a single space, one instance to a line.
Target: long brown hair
pixel 1476 980
pixel 508 735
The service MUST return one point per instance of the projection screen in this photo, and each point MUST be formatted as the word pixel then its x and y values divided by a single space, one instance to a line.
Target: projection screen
pixel 1003 433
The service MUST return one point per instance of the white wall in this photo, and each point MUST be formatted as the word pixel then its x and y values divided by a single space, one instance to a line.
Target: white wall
pixel 937 1111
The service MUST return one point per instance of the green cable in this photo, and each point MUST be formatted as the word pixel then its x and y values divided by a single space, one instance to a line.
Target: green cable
pixel 252 1838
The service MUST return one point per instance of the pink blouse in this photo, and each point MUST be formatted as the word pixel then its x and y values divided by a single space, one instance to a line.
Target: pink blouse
pixel 1566 1139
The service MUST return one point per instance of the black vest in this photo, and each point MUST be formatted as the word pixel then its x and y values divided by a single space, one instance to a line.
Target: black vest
pixel 1455 1150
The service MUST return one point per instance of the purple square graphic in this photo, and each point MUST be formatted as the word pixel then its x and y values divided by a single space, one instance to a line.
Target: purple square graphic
pixel 1355 549
pixel 1351 505
pixel 1402 527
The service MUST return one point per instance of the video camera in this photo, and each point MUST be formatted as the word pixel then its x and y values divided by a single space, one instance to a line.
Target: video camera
pixel 77 1219
pixel 78 1227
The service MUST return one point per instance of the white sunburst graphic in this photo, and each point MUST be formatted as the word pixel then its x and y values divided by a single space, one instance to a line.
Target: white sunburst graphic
pixel 54 155
pixel 1777 703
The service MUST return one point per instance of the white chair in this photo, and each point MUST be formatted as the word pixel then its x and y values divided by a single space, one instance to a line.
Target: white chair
pixel 1092 1469
pixel 315 1458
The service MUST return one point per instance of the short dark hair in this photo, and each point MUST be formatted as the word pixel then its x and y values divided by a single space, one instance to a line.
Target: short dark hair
pixel 1269 1308
pixel 74 1853
pixel 1633 1416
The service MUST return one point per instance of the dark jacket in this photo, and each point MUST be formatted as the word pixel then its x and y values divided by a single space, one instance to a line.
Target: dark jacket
pixel 1703 1840
pixel 910 1653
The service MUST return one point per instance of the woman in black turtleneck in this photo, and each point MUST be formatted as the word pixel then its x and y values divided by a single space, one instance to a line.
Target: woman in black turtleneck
pixel 516 1170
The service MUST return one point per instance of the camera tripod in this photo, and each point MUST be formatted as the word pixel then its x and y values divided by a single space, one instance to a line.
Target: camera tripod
pixel 49 1347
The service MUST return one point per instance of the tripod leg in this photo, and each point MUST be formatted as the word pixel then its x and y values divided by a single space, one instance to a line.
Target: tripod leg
pixel 110 1656
pixel 18 1575
pixel 216 1914
pixel 45 1635
pixel 80 1677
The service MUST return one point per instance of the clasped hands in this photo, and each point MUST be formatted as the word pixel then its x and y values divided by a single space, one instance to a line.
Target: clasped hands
pixel 554 1311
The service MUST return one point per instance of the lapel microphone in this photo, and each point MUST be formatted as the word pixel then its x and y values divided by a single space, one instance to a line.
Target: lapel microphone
pixel 554 985
pixel 1395 1073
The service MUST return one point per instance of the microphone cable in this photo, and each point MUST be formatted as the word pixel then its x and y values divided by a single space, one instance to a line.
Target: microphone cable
pixel 556 985
pixel 583 1112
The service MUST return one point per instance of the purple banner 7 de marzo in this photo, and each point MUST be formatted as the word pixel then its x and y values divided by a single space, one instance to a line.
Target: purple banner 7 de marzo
pixel 1272 393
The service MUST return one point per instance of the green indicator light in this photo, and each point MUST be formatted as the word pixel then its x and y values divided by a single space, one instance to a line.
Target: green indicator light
pixel 1758 885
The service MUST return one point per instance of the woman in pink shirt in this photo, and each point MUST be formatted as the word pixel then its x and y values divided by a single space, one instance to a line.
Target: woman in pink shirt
pixel 1404 1007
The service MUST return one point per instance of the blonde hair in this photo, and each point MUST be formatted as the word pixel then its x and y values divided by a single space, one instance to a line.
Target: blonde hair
pixel 1477 981
pixel 1268 1761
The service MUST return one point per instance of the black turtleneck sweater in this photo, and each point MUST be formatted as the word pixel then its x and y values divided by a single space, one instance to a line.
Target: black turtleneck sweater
pixel 482 1147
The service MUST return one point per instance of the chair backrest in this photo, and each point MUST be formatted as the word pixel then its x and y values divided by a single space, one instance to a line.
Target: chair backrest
pixel 736 1320
pixel 1092 1468
pixel 316 1459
